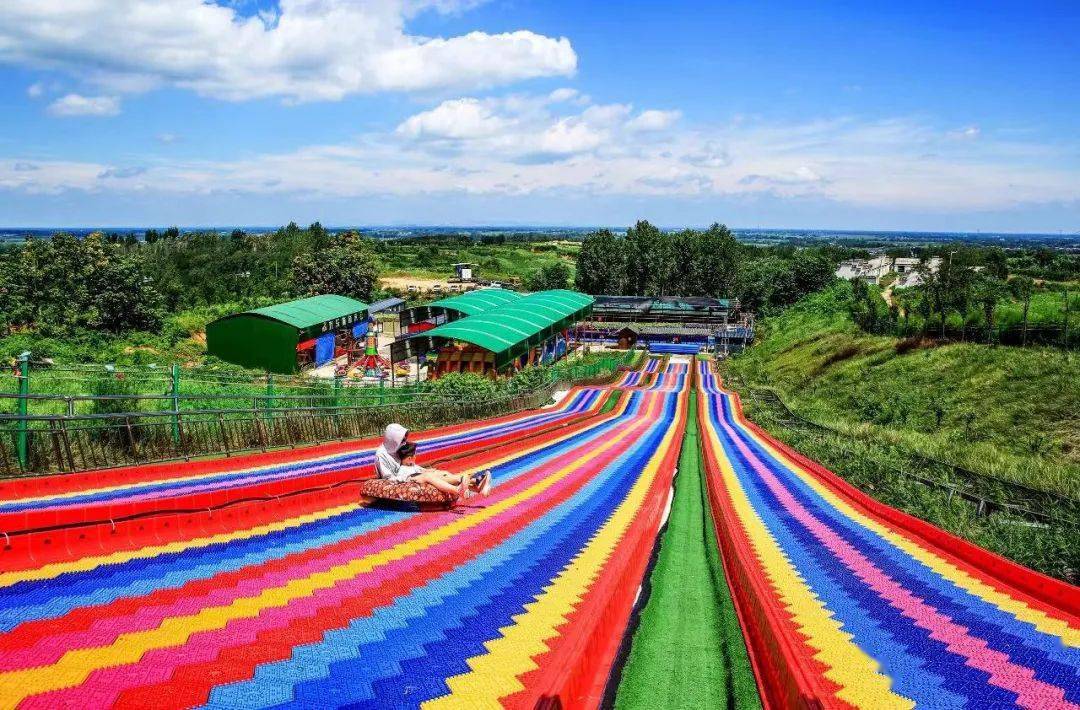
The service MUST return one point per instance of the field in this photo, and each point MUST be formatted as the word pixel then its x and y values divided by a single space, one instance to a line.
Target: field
pixel 511 262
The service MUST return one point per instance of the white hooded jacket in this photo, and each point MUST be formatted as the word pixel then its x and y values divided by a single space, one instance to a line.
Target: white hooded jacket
pixel 387 463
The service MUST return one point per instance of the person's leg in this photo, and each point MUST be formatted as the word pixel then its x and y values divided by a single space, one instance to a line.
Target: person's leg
pixel 438 482
pixel 477 483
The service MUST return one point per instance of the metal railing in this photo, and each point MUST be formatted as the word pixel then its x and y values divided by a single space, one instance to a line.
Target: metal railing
pixel 58 443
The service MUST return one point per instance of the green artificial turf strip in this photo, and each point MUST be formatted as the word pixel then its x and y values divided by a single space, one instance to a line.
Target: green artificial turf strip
pixel 612 399
pixel 688 650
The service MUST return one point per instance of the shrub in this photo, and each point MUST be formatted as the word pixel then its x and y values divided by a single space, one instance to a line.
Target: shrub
pixel 463 387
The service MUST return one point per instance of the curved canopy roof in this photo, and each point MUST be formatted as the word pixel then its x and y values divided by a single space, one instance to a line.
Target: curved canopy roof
pixel 307 312
pixel 467 304
pixel 509 329
pixel 478 301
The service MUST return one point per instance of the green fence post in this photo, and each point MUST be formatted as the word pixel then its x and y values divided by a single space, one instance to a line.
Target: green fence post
pixel 176 402
pixel 337 390
pixel 24 407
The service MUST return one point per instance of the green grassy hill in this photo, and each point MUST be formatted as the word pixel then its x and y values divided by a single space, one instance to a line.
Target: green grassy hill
pixel 1006 411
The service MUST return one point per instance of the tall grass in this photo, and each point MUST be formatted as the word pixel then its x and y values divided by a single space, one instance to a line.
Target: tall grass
pixel 1009 412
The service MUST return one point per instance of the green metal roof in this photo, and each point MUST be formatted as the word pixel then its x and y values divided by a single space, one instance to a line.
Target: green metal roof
pixel 522 323
pixel 308 312
pixel 478 301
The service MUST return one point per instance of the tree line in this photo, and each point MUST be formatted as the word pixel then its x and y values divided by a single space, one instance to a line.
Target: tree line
pixel 965 299
pixel 113 284
pixel 648 261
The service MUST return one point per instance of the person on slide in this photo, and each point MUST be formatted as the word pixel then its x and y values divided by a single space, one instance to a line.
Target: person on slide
pixel 395 460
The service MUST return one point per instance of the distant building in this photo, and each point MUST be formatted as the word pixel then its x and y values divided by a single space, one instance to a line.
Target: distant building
pixel 907 269
pixel 464 271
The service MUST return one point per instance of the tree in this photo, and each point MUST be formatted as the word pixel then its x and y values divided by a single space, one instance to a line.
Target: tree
pixel 641 240
pixel 125 297
pixel 988 291
pixel 663 263
pixel 601 264
pixel 151 236
pixel 717 262
pixel 349 268
pixel 550 276
pixel 66 284
pixel 997 263
pixel 320 238
pixel 949 290
pixel 684 277
pixel 1022 288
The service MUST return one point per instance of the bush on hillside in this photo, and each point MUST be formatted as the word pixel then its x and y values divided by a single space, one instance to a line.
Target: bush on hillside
pixel 465 386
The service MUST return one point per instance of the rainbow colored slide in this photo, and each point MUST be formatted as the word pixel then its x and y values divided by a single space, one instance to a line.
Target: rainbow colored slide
pixel 847 602
pixel 266 580
pixel 315 599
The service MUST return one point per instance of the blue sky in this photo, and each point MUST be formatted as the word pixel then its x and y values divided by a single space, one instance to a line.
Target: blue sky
pixel 917 115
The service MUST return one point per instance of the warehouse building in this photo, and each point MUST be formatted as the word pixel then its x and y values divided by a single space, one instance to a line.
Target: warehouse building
pixel 289 337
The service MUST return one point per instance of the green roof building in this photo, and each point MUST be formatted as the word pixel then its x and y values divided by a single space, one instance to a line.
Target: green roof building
pixel 507 331
pixel 270 338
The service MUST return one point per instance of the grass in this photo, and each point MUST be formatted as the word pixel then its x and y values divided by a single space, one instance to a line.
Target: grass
pixel 1046 317
pixel 510 262
pixel 1008 412
pixel 688 649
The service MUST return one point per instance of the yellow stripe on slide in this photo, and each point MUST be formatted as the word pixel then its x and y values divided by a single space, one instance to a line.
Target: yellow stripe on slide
pixel 848 666
pixel 75 666
pixel 494 675
pixel 60 497
pixel 55 569
pixel 961 579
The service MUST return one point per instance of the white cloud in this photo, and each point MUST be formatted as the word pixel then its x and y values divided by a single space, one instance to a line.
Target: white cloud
pixel 536 145
pixel 653 120
pixel 966 133
pixel 35 90
pixel 78 105
pixel 570 135
pixel 563 94
pixel 456 119
pixel 521 127
pixel 310 50
pixel 168 138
